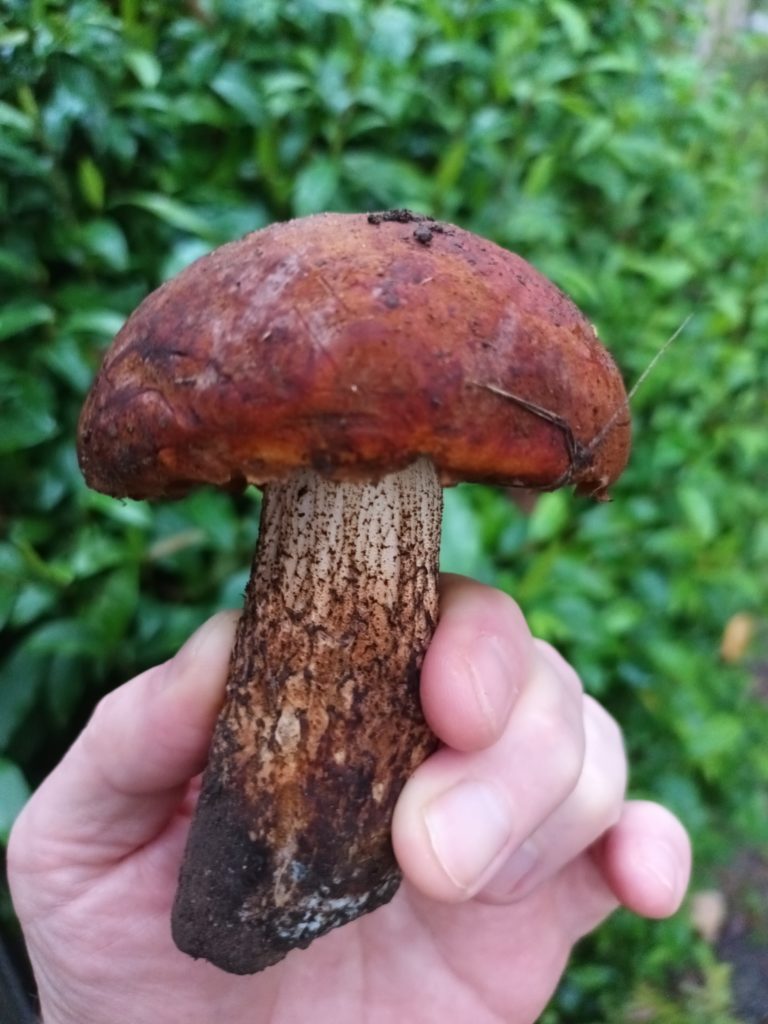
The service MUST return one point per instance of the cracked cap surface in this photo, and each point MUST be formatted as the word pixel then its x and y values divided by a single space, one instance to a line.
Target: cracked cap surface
pixel 354 344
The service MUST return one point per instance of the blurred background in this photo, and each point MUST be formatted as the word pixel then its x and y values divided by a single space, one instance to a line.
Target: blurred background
pixel 620 147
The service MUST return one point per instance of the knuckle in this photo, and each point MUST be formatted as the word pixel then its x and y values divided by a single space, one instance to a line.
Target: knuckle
pixel 98 725
pixel 570 760
pixel 566 675
pixel 604 779
pixel 604 728
pixel 502 605
pixel 103 732
pixel 559 743
pixel 500 615
pixel 601 795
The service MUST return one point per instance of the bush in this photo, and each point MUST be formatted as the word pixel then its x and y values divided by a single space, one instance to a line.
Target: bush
pixel 589 138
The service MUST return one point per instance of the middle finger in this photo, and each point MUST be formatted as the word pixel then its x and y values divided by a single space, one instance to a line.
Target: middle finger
pixel 462 813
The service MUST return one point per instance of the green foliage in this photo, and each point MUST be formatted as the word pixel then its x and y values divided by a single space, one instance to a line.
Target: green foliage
pixel 13 795
pixel 706 1002
pixel 134 137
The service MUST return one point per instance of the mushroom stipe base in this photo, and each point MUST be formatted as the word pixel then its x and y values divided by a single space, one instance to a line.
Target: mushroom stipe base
pixel 322 723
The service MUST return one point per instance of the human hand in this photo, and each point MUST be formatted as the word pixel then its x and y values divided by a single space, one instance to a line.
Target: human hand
pixel 530 846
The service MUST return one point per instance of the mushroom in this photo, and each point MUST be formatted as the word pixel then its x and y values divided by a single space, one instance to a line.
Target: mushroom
pixel 351 366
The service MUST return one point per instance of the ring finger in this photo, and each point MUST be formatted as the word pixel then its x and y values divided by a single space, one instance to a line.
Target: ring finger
pixel 594 805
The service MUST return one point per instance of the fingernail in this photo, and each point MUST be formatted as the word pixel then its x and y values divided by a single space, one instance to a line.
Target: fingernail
pixel 207 641
pixel 511 877
pixel 469 826
pixel 198 640
pixel 491 681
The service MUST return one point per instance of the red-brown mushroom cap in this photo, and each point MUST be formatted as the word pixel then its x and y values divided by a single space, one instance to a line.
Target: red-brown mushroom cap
pixel 354 344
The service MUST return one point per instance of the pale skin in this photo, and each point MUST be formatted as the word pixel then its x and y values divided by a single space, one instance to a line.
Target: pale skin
pixel 532 845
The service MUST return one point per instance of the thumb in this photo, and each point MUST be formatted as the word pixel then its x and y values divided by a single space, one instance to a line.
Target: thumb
pixel 122 779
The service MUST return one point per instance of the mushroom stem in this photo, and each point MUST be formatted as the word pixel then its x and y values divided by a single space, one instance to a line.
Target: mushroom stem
pixel 322 723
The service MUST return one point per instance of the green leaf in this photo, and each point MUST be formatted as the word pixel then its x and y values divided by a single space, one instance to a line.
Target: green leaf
pixel 20 266
pixel 593 136
pixel 394 32
pixel 184 252
pixel 112 607
pixel 66 359
pixel 461 548
pixel 699 511
pixel 343 8
pixel 668 272
pixel 91 183
pixel 11 117
pixel 279 83
pixel 65 686
pixel 540 174
pixel 63 637
pixel 53 571
pixel 145 66
pixel 550 516
pixel 315 186
pixel 8 599
pixel 171 211
pixel 32 601
pixel 25 416
pixel 626 63
pixel 19 316
pixel 105 240
pixel 20 678
pixel 12 567
pixel 78 100
pixel 238 86
pixel 386 181
pixel 201 108
pixel 13 37
pixel 451 165
pixel 96 549
pixel 574 24
pixel 94 321
pixel 122 511
pixel 711 738
pixel 14 793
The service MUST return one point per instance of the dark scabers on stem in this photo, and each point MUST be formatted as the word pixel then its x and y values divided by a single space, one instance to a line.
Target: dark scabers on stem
pixel 322 724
